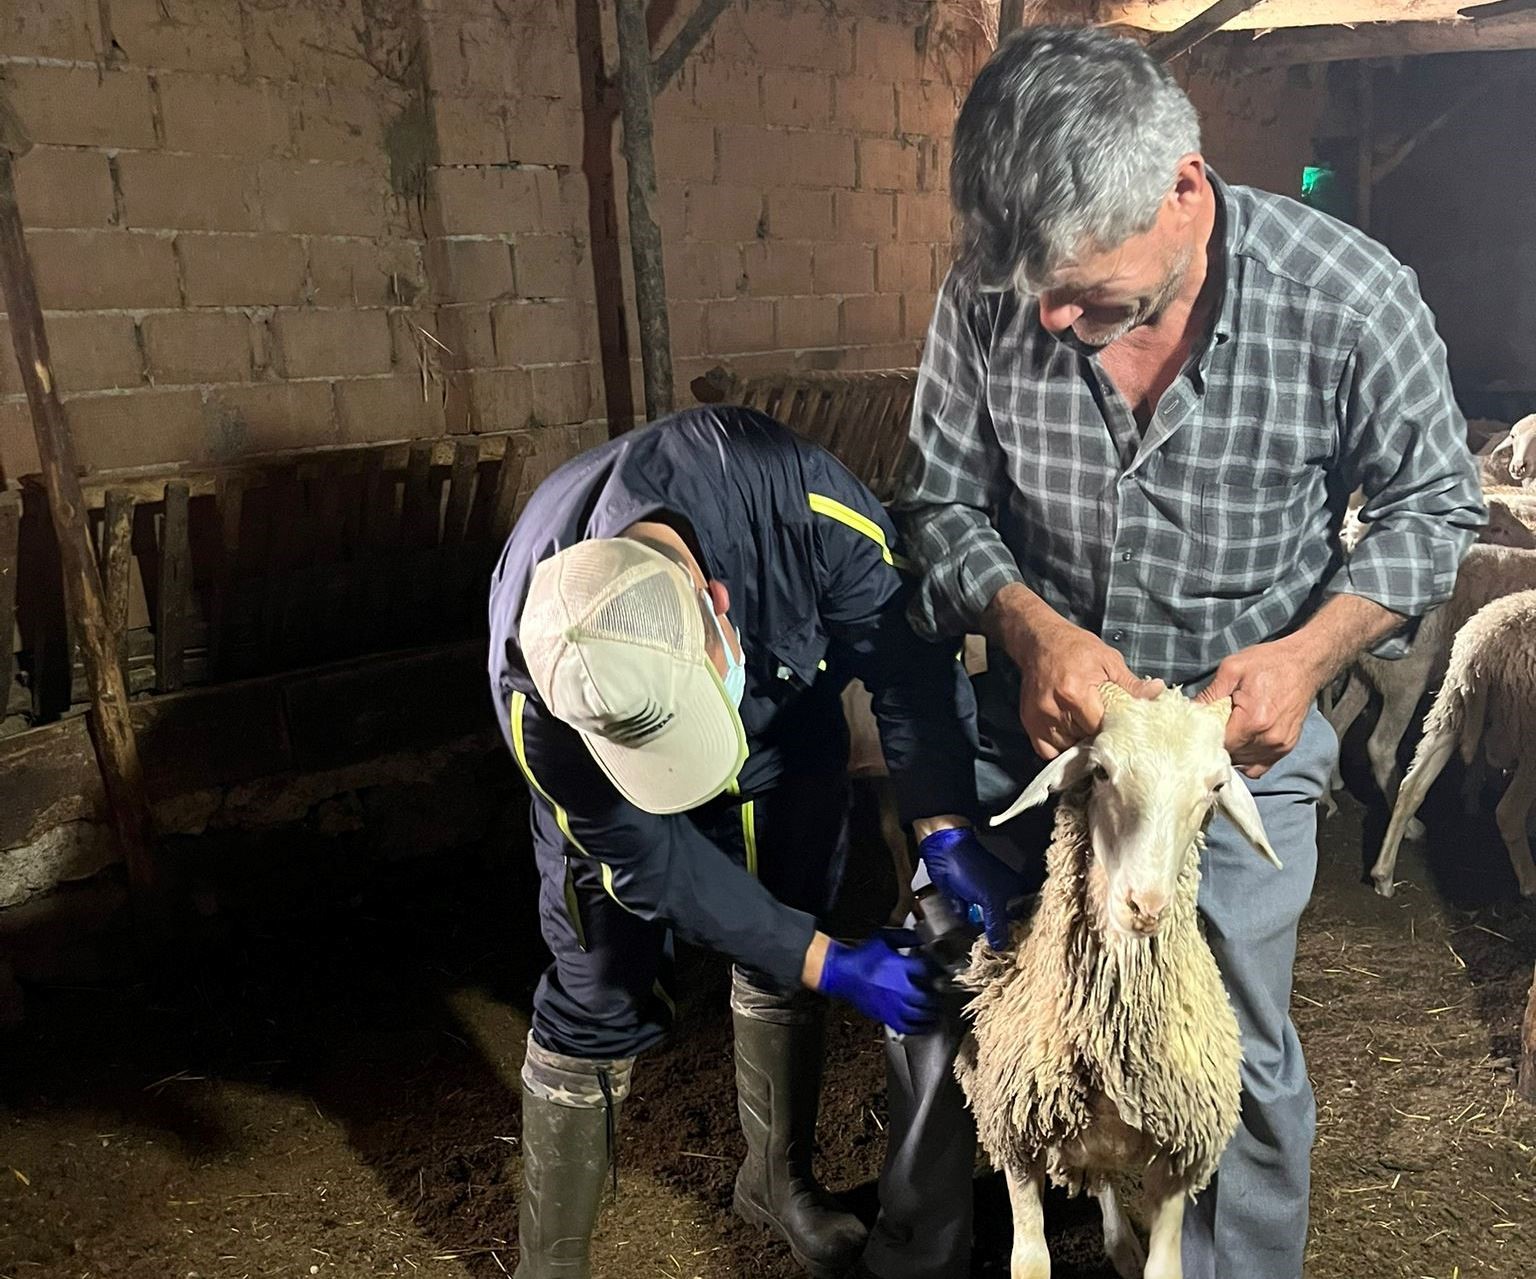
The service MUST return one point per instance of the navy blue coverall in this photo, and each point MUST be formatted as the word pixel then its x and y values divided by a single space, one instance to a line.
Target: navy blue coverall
pixel 809 558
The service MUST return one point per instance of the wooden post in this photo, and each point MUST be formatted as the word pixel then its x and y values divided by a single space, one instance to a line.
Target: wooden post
pixel 117 750
pixel 1204 24
pixel 1528 1049
pixel 10 529
pixel 1010 17
pixel 1365 151
pixel 644 234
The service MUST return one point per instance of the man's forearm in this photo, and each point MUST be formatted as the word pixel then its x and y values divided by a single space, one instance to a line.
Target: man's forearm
pixel 1014 612
pixel 1341 630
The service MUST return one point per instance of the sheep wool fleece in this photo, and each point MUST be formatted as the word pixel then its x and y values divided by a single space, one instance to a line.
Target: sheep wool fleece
pixel 1250 1222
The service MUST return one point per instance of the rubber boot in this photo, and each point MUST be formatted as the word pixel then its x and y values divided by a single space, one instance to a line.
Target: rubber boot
pixel 567 1146
pixel 779 1049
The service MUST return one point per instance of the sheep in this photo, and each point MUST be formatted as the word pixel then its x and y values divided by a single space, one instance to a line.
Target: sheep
pixel 1486 573
pixel 1104 1039
pixel 1511 458
pixel 1487 705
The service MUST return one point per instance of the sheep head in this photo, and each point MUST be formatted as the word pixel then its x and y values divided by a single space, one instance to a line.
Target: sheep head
pixel 1522 457
pixel 1157 769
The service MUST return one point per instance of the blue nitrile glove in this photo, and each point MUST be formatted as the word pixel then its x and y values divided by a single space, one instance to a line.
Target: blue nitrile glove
pixel 965 872
pixel 899 990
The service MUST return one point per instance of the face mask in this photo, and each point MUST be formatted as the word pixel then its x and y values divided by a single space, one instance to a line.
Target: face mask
pixel 735 677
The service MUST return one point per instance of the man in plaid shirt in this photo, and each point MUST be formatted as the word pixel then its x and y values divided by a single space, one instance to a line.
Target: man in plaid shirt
pixel 1145 399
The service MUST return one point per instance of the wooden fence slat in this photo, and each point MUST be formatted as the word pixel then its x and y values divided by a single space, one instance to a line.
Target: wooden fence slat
pixel 415 498
pixel 229 501
pixel 461 491
pixel 508 481
pixel 10 530
pixel 282 499
pixel 117 566
pixel 174 602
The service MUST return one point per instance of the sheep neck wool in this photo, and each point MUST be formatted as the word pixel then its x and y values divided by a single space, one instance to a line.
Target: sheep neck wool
pixel 1074 1016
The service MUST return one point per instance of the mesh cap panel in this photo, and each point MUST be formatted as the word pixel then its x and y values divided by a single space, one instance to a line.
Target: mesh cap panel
pixel 650 612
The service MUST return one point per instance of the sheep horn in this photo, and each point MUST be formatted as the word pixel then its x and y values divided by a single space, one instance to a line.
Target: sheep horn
pixel 1236 803
pixel 1113 695
pixel 1067 769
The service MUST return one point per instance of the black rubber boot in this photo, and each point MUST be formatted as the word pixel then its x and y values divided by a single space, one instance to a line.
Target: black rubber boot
pixel 779 1048
pixel 567 1146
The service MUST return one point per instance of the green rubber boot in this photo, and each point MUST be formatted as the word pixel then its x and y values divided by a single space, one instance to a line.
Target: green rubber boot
pixel 779 1049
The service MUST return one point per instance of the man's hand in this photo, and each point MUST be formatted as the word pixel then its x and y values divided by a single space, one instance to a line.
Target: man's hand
pixel 1060 667
pixel 1274 685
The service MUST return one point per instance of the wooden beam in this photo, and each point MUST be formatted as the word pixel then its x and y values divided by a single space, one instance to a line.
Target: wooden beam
pixel 1202 26
pixel 685 42
pixel 644 234
pixel 1390 164
pixel 1010 17
pixel 1302 45
pixel 173 590
pixel 117 750
pixel 10 529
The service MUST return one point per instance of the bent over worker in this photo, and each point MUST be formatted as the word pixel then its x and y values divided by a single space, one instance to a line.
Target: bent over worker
pixel 1145 399
pixel 672 622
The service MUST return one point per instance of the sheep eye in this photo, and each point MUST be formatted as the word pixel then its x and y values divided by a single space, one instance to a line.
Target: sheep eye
pixel 1216 789
pixel 1100 773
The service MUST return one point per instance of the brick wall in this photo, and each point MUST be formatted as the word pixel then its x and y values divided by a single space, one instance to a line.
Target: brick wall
pixel 265 224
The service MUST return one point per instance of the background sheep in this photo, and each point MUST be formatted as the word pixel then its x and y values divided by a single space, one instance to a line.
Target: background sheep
pixel 1511 458
pixel 1105 1040
pixel 1487 705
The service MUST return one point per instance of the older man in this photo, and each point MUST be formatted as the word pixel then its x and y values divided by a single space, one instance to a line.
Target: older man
pixel 1145 399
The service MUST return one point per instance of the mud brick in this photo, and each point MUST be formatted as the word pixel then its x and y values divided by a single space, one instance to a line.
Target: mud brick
pixel 88 353
pixel 496 400
pixel 469 130
pixel 874 317
pixel 355 272
pixel 324 44
pixel 739 324
pixel 903 268
pixel 866 106
pixel 775 267
pixel 843 268
pixel 562 393
pixel 800 99
pixel 702 269
pixel 540 131
pixel 467 332
pixel 727 92
pixel 347 343
pixel 724 213
pixel 241 270
pixel 18 440
pixel 887 49
pixel 923 218
pixel 685 151
pixel 496 201
pixel 886 355
pixel 926 108
pixel 219 115
pixel 331 122
pixel 685 321
pixel 62 187
pixel 819 159
pixel 323 198
pixel 542 332
pixel 191 347
pixel 187 35
pixel 787 36
pixel 65 29
pixel 92 270
pixel 800 215
pixel 916 314
pixel 137 428
pixel 549 266
pixel 865 216
pixel 373 409
pixel 81 106
pixel 887 165
pixel 269 417
pixel 469 270
pixel 748 153
pixel 188 192
pixel 806 321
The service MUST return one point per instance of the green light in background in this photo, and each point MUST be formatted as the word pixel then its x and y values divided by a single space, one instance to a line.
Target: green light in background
pixel 1314 175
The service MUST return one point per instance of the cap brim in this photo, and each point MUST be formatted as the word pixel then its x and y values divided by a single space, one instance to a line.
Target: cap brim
pixel 688 764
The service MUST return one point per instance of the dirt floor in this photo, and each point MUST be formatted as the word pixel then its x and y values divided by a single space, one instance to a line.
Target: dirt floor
pixel 333 1092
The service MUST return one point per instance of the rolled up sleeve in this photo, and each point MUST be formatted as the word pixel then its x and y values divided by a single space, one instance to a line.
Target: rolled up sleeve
pixel 954 464
pixel 1404 443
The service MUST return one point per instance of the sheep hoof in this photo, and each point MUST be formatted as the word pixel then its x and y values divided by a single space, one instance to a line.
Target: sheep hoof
pixel 1384 885
pixel 1029 1263
pixel 1127 1258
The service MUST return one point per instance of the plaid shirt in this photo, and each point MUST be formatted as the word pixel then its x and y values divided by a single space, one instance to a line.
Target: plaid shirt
pixel 1217 528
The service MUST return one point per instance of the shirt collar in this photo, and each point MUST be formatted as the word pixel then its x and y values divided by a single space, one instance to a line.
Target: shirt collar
pixel 1230 231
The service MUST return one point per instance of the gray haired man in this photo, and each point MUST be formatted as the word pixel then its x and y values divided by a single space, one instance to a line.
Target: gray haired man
pixel 1145 399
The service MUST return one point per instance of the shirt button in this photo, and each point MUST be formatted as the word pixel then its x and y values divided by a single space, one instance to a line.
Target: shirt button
pixel 1117 636
pixel 1125 557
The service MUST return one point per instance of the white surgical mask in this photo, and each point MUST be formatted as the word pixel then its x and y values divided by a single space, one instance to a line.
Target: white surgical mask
pixel 735 677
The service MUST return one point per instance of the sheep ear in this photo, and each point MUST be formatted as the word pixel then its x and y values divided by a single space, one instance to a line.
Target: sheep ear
pixel 1067 769
pixel 1221 708
pixel 1236 803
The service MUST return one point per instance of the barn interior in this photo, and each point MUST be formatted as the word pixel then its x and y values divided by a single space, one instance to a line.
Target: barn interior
pixel 303 298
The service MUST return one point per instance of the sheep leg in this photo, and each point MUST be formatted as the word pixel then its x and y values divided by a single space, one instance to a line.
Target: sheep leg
pixel 1120 1242
pixel 1397 710
pixel 1344 711
pixel 1473 782
pixel 1432 756
pixel 1165 1195
pixel 1513 812
pixel 1030 1259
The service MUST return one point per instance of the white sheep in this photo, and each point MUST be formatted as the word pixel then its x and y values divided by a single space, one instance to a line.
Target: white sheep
pixel 1511 458
pixel 1105 1041
pixel 1487 572
pixel 1487 705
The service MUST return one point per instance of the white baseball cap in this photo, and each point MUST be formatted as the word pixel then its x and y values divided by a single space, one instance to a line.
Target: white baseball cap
pixel 613 634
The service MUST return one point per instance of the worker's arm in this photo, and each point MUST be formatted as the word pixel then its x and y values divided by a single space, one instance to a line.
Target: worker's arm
pixel 954 464
pixel 1404 442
